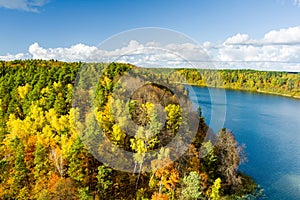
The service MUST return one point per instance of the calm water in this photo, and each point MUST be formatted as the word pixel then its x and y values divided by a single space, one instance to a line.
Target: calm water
pixel 269 126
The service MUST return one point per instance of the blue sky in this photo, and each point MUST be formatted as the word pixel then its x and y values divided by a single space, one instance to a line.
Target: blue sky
pixel 52 24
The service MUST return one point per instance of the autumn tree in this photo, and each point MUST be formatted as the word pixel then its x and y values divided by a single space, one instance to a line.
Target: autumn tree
pixel 192 187
pixel 166 174
pixel 215 190
pixel 227 151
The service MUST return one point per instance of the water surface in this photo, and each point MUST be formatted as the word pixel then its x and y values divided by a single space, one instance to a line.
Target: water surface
pixel 269 126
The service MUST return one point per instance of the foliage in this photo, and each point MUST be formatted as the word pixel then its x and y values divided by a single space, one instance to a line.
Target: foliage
pixel 215 190
pixel 43 156
pixel 273 82
pixel 228 153
pixel 192 186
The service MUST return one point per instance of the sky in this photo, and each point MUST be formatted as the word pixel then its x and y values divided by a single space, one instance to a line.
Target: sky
pixel 233 34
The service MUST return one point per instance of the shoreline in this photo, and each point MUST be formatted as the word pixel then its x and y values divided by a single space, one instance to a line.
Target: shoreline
pixel 279 94
pixel 247 90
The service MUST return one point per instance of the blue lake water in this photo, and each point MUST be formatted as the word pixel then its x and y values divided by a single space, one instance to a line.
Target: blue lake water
pixel 268 125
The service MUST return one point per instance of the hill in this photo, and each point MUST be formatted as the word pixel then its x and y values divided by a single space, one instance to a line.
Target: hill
pixel 68 138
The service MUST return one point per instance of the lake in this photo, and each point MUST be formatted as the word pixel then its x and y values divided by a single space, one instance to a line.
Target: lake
pixel 268 125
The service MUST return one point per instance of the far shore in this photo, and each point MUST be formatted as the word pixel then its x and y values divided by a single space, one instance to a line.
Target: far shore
pixel 246 90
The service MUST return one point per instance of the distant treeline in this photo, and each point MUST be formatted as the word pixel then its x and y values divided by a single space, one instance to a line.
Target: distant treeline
pixel 273 82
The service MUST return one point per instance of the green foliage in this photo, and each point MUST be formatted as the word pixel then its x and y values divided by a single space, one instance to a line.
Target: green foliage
pixel 104 181
pixel 20 171
pixel 192 187
pixel 77 165
pixel 83 194
pixel 40 161
pixel 209 159
pixel 140 194
pixel 42 154
pixel 279 83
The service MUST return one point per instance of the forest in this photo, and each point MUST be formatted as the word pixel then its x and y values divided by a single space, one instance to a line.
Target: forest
pixel 76 131
pixel 272 82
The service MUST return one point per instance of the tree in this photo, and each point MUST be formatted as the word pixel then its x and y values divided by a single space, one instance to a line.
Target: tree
pixel 159 196
pixel 215 190
pixel 83 194
pixel 43 157
pixel 23 90
pixel 40 160
pixel 61 188
pixel 192 186
pixel 173 120
pixel 146 138
pixel 227 151
pixel 20 171
pixel 104 181
pixel 118 136
pixel 208 158
pixel 42 167
pixel 78 163
pixel 167 174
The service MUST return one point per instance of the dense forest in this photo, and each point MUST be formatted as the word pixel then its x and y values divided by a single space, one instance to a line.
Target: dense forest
pixel 272 82
pixel 58 132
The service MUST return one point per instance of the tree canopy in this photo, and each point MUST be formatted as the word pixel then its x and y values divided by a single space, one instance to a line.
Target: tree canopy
pixel 43 155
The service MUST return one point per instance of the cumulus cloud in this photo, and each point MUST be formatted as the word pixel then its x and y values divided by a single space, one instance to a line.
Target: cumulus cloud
pixel 283 36
pixel 277 50
pixel 148 55
pixel 76 52
pixel 238 39
pixel 26 5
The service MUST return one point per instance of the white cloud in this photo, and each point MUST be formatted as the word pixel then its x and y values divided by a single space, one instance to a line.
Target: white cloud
pixel 150 54
pixel 26 5
pixel 74 53
pixel 19 56
pixel 237 39
pixel 283 36
pixel 207 45
pixel 277 50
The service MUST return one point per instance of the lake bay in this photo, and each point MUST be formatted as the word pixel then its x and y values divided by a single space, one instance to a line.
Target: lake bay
pixel 268 125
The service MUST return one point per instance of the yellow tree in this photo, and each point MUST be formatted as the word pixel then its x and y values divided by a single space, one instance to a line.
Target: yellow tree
pixel 215 190
pixel 174 118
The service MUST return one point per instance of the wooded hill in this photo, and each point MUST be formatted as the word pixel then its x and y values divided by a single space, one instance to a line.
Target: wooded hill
pixel 49 148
